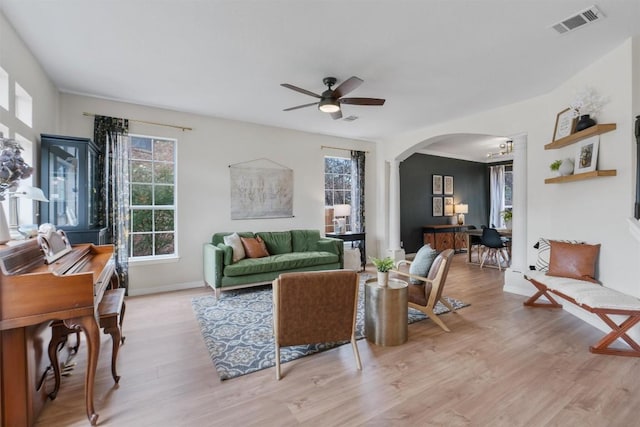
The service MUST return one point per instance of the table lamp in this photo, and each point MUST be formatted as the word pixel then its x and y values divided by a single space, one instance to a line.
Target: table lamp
pixel 461 209
pixel 27 192
pixel 340 212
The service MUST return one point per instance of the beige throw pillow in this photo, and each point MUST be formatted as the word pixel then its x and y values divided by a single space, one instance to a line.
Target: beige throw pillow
pixel 234 241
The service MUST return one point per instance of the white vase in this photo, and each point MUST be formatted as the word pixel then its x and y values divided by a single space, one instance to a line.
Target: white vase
pixel 5 235
pixel 383 278
pixel 566 167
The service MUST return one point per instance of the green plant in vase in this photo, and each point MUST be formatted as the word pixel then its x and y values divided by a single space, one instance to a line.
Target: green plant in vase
pixel 383 266
pixel 555 166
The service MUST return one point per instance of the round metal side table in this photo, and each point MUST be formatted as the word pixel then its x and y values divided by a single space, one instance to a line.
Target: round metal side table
pixel 386 312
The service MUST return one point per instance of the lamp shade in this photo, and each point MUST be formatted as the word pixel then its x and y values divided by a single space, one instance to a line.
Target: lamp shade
pixel 33 193
pixel 341 210
pixel 463 209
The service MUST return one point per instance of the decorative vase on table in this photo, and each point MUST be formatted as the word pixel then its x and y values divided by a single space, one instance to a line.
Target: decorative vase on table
pixel 383 278
pixel 566 167
pixel 584 122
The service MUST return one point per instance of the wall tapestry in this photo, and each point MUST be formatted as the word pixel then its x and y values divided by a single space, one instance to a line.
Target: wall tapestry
pixel 261 188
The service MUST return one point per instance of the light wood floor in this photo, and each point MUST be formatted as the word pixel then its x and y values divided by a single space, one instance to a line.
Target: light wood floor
pixel 502 365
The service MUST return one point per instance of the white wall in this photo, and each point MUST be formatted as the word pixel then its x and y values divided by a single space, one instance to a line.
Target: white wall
pixel 595 210
pixel 204 156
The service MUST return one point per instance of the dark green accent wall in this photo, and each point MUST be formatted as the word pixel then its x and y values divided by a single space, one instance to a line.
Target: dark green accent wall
pixel 470 186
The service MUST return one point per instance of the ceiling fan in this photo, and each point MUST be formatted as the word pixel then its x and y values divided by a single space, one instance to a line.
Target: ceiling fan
pixel 331 99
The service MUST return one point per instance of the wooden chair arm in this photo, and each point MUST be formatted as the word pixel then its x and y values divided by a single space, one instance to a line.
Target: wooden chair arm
pixel 412 276
pixel 402 262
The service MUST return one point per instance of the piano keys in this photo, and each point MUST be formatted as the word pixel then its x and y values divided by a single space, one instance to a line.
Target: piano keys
pixel 32 294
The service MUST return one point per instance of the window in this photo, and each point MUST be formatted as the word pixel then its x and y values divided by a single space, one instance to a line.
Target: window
pixel 337 188
pixel 4 90
pixel 152 163
pixel 508 187
pixel 24 106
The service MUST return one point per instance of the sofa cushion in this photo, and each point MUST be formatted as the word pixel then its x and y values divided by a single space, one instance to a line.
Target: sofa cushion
pixel 234 241
pixel 254 247
pixel 575 261
pixel 278 242
pixel 219 237
pixel 422 263
pixel 281 262
pixel 305 240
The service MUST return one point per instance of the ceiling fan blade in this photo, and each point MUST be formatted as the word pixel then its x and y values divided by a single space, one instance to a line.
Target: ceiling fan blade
pixel 299 89
pixel 362 101
pixel 301 106
pixel 337 115
pixel 347 86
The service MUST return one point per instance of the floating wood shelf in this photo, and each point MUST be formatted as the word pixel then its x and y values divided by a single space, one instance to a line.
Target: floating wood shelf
pixel 580 176
pixel 579 136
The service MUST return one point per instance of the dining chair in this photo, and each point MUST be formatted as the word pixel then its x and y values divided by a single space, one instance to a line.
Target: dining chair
pixel 495 246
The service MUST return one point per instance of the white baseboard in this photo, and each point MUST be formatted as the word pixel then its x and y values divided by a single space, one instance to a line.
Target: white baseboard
pixel 165 288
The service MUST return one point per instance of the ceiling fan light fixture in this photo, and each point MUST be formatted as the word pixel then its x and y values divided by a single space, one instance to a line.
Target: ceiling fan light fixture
pixel 329 106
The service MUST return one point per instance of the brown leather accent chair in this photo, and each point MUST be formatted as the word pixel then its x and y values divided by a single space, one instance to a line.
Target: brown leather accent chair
pixel 425 296
pixel 315 307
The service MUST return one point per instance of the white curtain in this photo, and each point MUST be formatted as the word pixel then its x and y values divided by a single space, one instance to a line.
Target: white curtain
pixel 497 196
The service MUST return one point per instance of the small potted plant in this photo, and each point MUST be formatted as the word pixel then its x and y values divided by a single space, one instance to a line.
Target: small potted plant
pixel 383 265
pixel 507 216
pixel 555 166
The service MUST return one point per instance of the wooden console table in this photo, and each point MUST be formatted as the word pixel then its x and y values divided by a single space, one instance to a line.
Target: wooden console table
pixel 446 236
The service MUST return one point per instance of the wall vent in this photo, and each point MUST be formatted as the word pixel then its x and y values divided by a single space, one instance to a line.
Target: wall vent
pixel 350 118
pixel 578 20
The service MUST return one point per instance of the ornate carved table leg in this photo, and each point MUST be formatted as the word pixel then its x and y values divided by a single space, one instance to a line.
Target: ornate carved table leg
pixel 90 328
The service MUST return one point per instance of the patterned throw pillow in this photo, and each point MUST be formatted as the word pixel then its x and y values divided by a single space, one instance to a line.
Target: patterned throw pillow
pixel 422 263
pixel 544 252
pixel 254 247
pixel 234 241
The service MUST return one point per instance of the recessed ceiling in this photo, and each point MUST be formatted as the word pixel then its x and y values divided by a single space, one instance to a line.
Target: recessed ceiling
pixel 431 60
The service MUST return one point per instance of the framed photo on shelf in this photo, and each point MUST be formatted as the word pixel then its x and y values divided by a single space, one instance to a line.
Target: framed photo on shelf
pixel 448 206
pixel 437 206
pixel 565 124
pixel 448 185
pixel 587 156
pixel 436 184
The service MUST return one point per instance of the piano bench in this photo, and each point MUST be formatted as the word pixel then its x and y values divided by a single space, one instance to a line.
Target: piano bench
pixel 111 311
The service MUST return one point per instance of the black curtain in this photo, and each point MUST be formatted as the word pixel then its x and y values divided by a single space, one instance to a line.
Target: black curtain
pixel 357 197
pixel 110 134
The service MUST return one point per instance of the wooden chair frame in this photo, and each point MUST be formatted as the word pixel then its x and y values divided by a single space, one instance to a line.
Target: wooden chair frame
pixel 437 285
pixel 276 332
pixel 618 330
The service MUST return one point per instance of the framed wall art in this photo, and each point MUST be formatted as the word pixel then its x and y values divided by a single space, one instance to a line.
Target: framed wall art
pixel 436 184
pixel 448 185
pixel 587 155
pixel 448 206
pixel 565 124
pixel 437 206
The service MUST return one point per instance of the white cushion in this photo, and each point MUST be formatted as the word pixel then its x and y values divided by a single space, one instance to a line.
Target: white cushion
pixel 234 241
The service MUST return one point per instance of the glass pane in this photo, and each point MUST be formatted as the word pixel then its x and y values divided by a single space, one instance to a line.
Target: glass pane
pixel 141 194
pixel 140 148
pixel 328 198
pixel 140 171
pixel 141 245
pixel 163 173
pixel 63 185
pixel 141 220
pixel 163 150
pixel 164 195
pixel 164 243
pixel 164 220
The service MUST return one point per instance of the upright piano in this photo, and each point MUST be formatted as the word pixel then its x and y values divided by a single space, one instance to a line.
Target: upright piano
pixel 32 294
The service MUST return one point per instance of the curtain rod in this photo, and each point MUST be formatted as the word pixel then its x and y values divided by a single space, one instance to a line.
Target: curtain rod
pixel 338 148
pixel 182 128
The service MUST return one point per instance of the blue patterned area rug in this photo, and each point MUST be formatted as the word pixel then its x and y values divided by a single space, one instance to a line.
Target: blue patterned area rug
pixel 238 329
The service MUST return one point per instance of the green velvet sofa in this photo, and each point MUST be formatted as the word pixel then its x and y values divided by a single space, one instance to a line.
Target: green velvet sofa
pixel 294 250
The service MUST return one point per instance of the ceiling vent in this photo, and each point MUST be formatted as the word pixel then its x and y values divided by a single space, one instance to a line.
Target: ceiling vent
pixel 581 19
pixel 350 118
